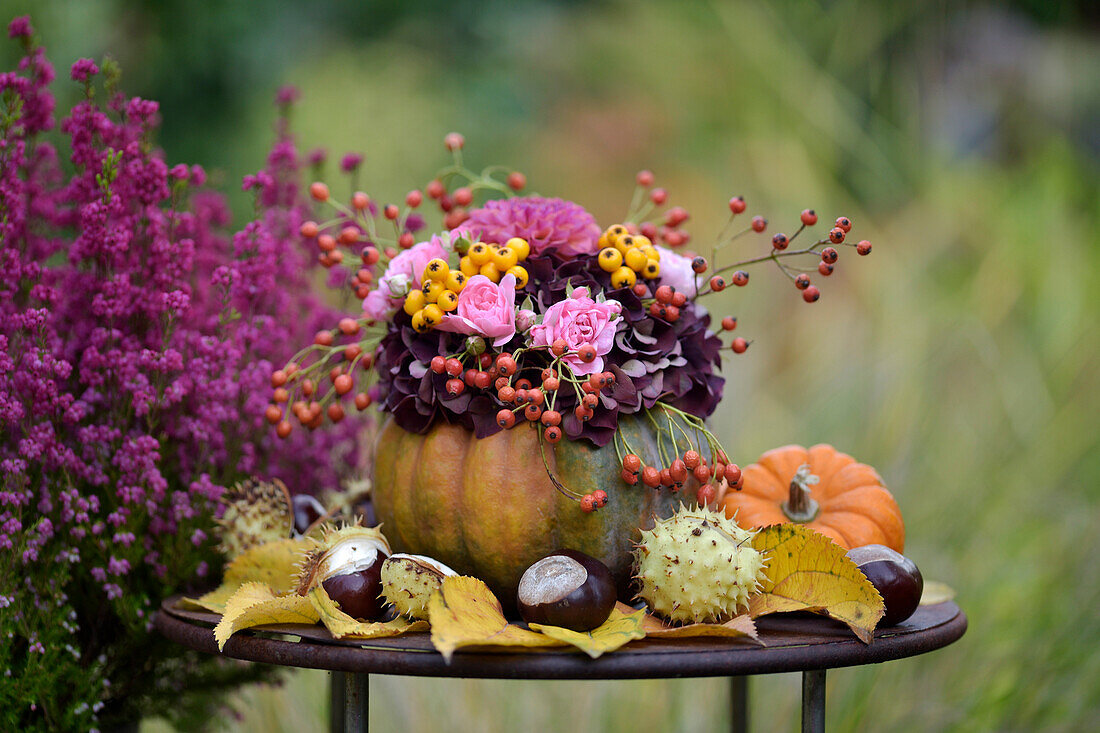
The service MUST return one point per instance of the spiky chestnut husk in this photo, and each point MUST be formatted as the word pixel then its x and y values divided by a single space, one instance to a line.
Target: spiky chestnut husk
pixel 408 581
pixel 697 567
pixel 339 552
pixel 256 512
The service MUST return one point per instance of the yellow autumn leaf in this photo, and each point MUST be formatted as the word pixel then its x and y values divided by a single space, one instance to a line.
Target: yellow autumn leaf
pixel 343 626
pixel 255 604
pixel 464 612
pixel 807 571
pixel 936 592
pixel 275 564
pixel 619 629
pixel 737 627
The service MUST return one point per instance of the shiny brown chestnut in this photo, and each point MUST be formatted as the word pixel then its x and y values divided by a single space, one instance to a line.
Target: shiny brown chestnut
pixel 896 578
pixel 566 588
pixel 307 510
pixel 359 592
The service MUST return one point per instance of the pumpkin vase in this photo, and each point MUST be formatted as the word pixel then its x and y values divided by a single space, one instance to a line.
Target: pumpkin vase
pixel 488 508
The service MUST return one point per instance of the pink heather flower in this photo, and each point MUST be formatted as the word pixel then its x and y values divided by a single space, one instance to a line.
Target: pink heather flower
pixel 20 27
pixel 580 320
pixel 676 271
pixel 350 162
pixel 83 70
pixel 485 309
pixel 402 274
pixel 287 95
pixel 549 225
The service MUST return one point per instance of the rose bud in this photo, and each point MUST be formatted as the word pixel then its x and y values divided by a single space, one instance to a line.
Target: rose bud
pixel 568 589
pixel 896 578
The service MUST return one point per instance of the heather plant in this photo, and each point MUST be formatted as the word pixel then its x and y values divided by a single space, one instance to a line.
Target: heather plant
pixel 138 341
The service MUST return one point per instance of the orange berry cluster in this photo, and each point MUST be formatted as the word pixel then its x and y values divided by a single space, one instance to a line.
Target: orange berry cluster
pixel 494 261
pixel 676 475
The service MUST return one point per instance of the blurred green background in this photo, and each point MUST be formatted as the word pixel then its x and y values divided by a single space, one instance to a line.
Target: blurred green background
pixel 961 358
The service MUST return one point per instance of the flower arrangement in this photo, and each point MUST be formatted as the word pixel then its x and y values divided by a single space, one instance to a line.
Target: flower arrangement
pixel 138 335
pixel 526 311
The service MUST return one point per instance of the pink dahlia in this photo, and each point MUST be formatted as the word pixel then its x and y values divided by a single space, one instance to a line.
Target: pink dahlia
pixel 549 225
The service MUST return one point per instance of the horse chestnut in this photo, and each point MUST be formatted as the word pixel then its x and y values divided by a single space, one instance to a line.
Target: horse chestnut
pixel 307 510
pixel 896 578
pixel 356 586
pixel 567 588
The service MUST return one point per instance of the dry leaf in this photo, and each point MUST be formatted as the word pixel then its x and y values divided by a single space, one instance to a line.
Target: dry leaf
pixel 619 629
pixel 255 604
pixel 809 572
pixel 936 592
pixel 737 627
pixel 464 612
pixel 275 564
pixel 343 626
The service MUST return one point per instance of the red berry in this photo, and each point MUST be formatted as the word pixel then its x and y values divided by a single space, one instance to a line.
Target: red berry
pixel 609 378
pixel 809 218
pixel 759 223
pixel 582 413
pixel 278 378
pixel 640 289
pixel 406 240
pixel 729 323
pixel 482 380
pixel 672 313
pixel 273 414
pixel 825 268
pixel 780 241
pixel 644 178
pixel 588 504
pixel 559 347
pixel 517 181
pixel 348 235
pixel 455 387
pixel 717 283
pixel 435 189
pixel 280 396
pixel 506 418
pixel 323 338
pixel 587 353
pixel 523 383
pixel 740 278
pixel 732 474
pixel 532 412
pixel 699 265
pixel 843 222
pixel 468 377
pixel 600 497
pixel 343 384
pixel 811 294
pixel 664 294
pixel 629 477
pixel 369 255
pixel 702 473
pixel 506 365
pixel 678 471
pixel 551 384
pixel 632 463
pixel 829 255
pixel 506 394
pixel 326 242
pixel 413 199
pixel 501 382
pixel 651 477
pixel 658 196
pixel 454 141
pixel 552 434
pixel 706 495
pixel 308 229
pixel 676 216
pixel 864 247
pixel 335 412
pixel 590 401
pixel 391 211
pixel 463 196
pixel 692 459
pixel 360 200
pixel 679 299
pixel 535 396
pixel 666 477
pixel 349 326
pixel 485 360
pixel 836 235
pixel 739 345
pixel 737 204
pixel 362 401
pixel 282 429
pixel 551 418
pixel 802 281
pixel 318 191
pixel 648 229
pixel 521 396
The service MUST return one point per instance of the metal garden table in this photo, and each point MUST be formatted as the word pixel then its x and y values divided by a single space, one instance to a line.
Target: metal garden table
pixel 792 643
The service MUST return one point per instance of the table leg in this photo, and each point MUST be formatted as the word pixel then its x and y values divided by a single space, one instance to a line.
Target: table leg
pixel 336 702
pixel 739 704
pixel 356 686
pixel 813 701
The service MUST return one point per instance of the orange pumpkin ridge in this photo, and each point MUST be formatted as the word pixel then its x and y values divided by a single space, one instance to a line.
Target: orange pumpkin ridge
pixel 848 504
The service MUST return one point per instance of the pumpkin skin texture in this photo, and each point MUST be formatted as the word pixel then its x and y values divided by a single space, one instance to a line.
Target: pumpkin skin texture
pixel 486 508
pixel 855 508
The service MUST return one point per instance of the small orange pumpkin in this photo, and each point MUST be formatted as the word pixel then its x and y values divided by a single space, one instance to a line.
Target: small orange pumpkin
pixel 824 489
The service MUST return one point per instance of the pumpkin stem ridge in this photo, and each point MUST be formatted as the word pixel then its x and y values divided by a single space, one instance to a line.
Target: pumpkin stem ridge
pixel 800 506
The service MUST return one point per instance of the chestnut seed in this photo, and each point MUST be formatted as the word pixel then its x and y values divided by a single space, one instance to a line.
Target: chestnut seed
pixel 567 588
pixel 307 510
pixel 352 573
pixel 896 578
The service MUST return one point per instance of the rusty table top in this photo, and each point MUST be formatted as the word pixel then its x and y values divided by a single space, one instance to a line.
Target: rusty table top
pixel 792 643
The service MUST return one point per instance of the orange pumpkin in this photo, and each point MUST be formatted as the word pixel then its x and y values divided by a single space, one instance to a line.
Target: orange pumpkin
pixel 487 508
pixel 824 489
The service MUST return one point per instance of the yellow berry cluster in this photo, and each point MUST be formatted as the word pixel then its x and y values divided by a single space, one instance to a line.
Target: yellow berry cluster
pixel 494 261
pixel 438 295
pixel 626 256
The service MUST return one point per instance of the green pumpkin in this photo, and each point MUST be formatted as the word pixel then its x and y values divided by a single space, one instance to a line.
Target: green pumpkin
pixel 487 508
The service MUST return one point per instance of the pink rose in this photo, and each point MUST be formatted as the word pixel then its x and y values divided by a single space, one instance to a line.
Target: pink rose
pixel 402 274
pixel 485 309
pixel 676 271
pixel 580 320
